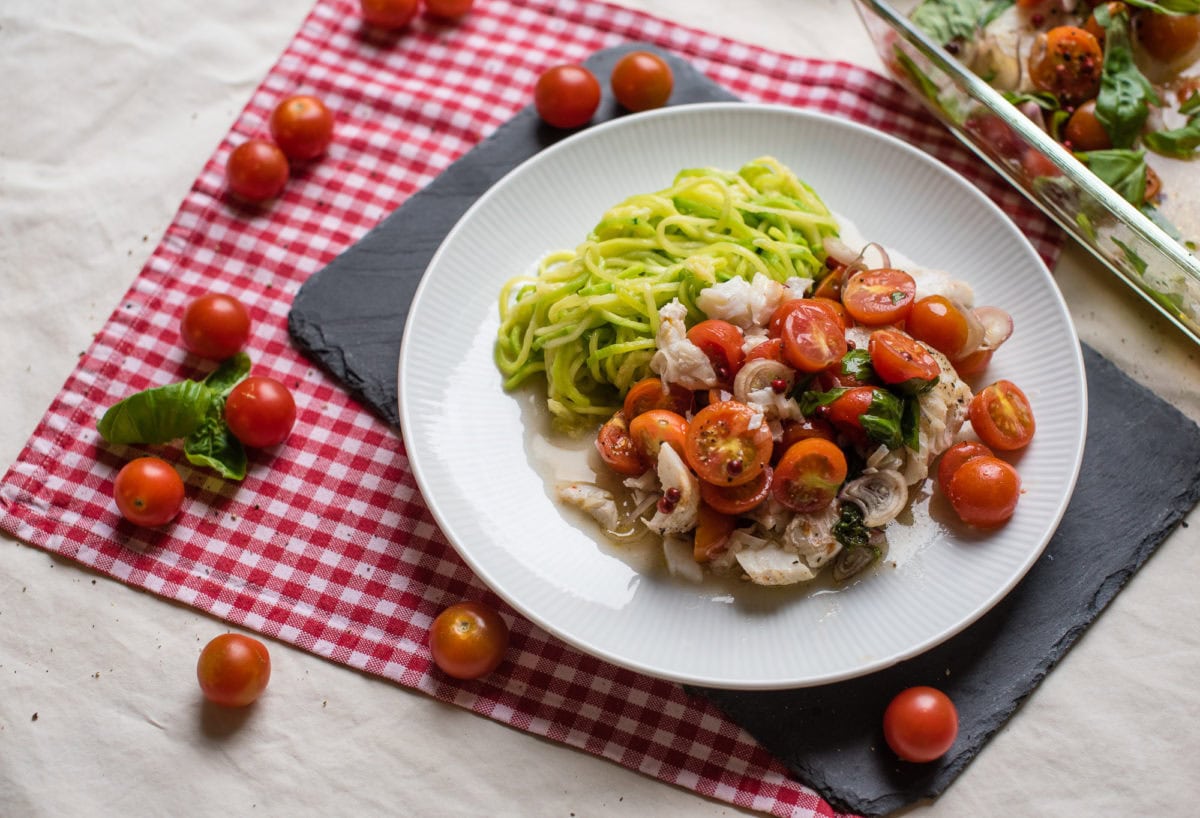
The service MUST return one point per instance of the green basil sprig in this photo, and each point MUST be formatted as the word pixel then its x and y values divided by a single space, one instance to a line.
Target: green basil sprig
pixel 1121 169
pixel 192 410
pixel 1125 94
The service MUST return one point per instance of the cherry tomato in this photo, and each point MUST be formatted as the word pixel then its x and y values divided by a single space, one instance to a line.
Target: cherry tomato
pixel 448 9
pixel 1083 131
pixel 738 499
pixel 796 430
pixel 1167 37
pixel 974 363
pixel 566 96
pixel 939 322
pixel 846 410
pixel 302 127
pixel 984 491
pixel 920 724
pixel 838 309
pixel 1002 417
pixel 617 449
pixel 712 533
pixel 389 14
pixel 468 640
pixel 641 81
pixel 649 393
pixel 256 171
pixel 1066 61
pixel 148 491
pixel 260 412
pixel 653 428
pixel 770 349
pixel 813 335
pixel 831 285
pixel 215 326
pixel 876 297
pixel 722 342
pixel 901 361
pixel 233 670
pixel 956 455
pixel 722 447
pixel 809 475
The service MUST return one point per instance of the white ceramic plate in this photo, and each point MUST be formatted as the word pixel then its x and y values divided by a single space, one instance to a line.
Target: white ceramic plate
pixel 469 442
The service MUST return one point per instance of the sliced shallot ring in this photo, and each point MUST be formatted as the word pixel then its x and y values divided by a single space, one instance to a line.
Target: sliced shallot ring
pixel 975 329
pixel 997 326
pixel 759 374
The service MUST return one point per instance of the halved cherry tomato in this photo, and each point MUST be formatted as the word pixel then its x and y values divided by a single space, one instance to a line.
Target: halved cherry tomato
pixel 641 81
pixel 770 349
pixel 1167 37
pixel 712 533
pixel 877 297
pixel 809 475
pixel 920 724
pixel 796 430
pixel 813 335
pixel 956 455
pixel 1002 417
pixel 831 285
pixel 738 499
pixel 652 429
pixel 984 491
pixel 939 322
pixel 649 393
pixel 616 447
pixel 846 410
pixel 724 448
pixel 722 342
pixel 1066 61
pixel 566 96
pixel 468 640
pixel 901 361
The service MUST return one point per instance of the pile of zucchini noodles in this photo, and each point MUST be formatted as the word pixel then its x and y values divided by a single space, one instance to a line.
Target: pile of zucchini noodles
pixel 588 317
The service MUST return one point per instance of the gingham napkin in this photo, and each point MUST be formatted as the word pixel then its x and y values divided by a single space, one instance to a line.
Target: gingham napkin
pixel 327 543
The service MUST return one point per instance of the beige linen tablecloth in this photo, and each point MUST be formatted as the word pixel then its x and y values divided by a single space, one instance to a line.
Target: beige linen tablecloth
pixel 108 116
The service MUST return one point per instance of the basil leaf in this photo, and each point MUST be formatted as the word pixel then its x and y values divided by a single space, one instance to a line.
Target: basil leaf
pixel 849 530
pixel 882 420
pixel 910 424
pixel 1122 170
pixel 1180 143
pixel 213 445
pixel 811 401
pixel 857 364
pixel 157 415
pixel 1125 94
pixel 947 20
pixel 226 376
pixel 1191 104
pixel 1042 99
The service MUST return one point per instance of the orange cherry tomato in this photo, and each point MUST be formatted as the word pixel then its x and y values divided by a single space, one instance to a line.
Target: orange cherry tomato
pixel 831 285
pixel 1002 417
pixel 920 724
pixel 1066 61
pixel 1083 131
pixel 809 475
pixel 838 309
pixel 796 430
pixel 1167 37
pixel 974 363
pixel 901 361
pixel 233 670
pixel 712 533
pixel 649 393
pixel 813 335
pixel 302 126
pixel 984 491
pixel 722 342
pixel 740 498
pixel 641 81
pixel 723 447
pixel 468 640
pixel 617 449
pixel 956 455
pixel 256 171
pixel 566 96
pixel 939 322
pixel 148 491
pixel 653 428
pixel 877 297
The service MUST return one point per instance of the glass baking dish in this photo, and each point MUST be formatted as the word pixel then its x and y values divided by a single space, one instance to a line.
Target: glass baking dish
pixel 1140 250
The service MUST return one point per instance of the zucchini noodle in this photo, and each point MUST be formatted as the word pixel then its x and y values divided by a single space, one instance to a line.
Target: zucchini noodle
pixel 588 318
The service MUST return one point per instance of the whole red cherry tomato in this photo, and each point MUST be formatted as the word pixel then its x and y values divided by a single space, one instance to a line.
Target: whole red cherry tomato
pixel 260 412
pixel 566 96
pixel 389 14
pixel 302 126
pixel 920 724
pixel 256 171
pixel 215 326
pixel 148 491
pixel 468 640
pixel 641 81
pixel 233 670
pixel 448 9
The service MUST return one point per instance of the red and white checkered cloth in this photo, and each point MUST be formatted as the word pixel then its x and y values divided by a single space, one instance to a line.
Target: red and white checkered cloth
pixel 327 544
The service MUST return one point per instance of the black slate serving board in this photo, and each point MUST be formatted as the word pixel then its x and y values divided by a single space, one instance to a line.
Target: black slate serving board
pixel 1140 476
